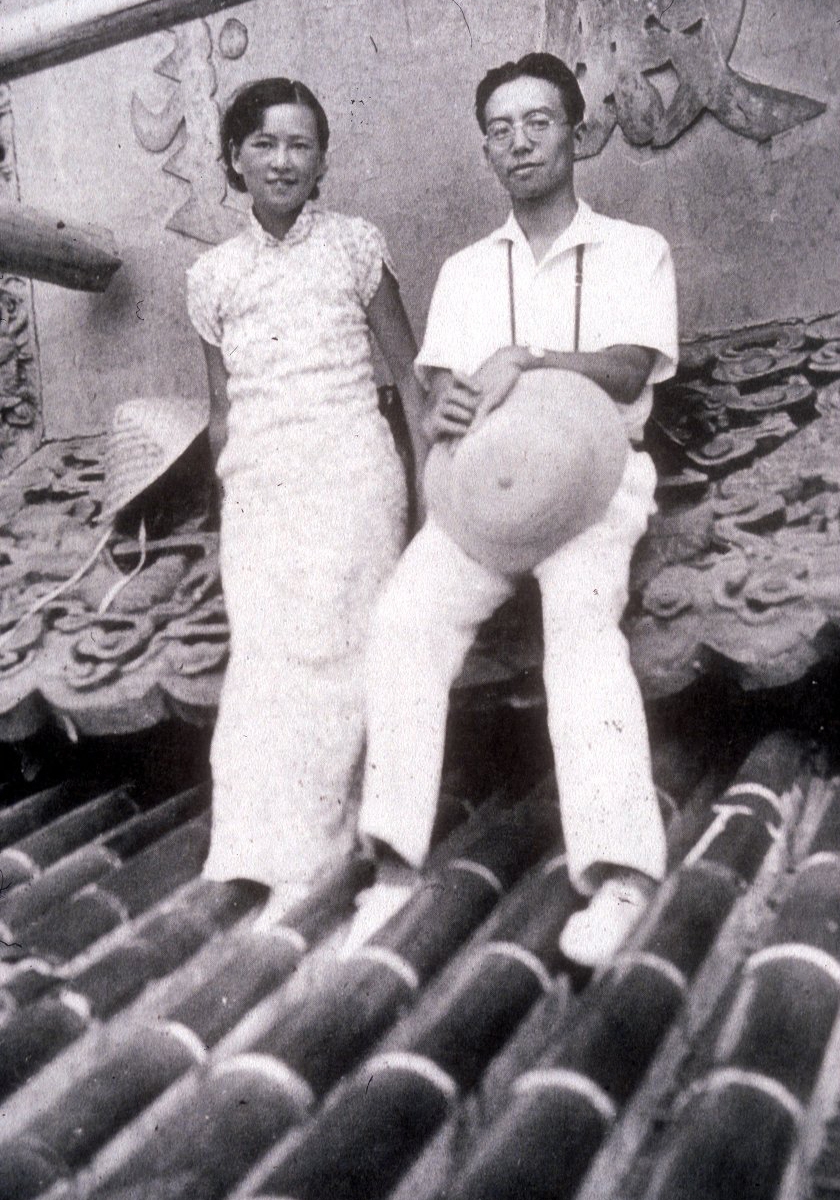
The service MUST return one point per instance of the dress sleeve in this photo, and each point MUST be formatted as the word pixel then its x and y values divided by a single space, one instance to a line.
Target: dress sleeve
pixel 203 305
pixel 368 252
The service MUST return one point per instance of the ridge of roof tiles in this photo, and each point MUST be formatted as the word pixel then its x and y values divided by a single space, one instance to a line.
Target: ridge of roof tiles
pixel 153 1044
pixel 742 1104
pixel 594 1059
pixel 301 1042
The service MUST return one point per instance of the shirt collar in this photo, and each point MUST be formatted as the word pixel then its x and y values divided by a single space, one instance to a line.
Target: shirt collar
pixel 298 232
pixel 583 229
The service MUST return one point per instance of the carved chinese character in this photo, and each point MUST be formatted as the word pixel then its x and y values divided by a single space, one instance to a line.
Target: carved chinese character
pixel 618 47
pixel 189 122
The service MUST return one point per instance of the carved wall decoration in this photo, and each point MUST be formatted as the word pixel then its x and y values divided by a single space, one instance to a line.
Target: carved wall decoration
pixel 233 38
pixel 132 640
pixel 621 49
pixel 21 424
pixel 189 122
pixel 740 571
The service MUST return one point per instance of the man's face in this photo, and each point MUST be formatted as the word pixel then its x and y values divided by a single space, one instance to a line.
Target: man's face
pixel 529 141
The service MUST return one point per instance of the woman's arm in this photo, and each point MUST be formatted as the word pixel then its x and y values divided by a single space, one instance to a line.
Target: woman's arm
pixel 217 379
pixel 389 323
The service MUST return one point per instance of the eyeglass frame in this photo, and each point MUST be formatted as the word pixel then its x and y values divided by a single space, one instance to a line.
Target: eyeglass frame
pixel 533 137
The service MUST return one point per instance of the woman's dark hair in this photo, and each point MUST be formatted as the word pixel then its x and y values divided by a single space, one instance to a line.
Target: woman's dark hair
pixel 244 116
pixel 539 66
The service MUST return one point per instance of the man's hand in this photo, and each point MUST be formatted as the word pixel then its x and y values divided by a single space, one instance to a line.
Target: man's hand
pixel 456 398
pixel 462 400
pixel 495 378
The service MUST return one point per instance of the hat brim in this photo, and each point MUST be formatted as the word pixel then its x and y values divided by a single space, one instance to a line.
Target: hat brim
pixel 146 437
pixel 537 472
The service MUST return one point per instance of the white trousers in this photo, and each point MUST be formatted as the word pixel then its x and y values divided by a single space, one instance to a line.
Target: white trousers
pixel 423 627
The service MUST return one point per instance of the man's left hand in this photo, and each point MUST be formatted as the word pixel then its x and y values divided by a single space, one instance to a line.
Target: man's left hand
pixel 495 378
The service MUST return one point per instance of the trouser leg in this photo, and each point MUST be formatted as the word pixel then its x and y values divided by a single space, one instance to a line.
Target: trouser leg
pixel 608 804
pixel 423 626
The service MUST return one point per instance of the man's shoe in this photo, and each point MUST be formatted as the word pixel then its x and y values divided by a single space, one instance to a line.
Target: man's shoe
pixel 279 902
pixel 591 937
pixel 395 885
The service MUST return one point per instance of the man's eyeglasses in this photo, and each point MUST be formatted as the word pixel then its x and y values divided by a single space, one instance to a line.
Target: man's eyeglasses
pixel 537 126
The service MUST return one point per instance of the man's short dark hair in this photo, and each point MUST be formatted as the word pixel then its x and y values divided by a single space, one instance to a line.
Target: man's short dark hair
pixel 540 66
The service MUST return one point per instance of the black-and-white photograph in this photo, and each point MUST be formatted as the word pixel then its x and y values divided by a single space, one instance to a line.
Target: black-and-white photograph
pixel 419 600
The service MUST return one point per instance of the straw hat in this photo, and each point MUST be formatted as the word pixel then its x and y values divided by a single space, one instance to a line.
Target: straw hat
pixel 537 472
pixel 147 435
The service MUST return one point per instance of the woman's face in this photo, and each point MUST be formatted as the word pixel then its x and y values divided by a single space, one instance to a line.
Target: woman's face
pixel 281 162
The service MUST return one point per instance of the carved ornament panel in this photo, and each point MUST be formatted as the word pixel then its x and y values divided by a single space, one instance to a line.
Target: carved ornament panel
pixel 188 127
pixel 652 67
pixel 21 423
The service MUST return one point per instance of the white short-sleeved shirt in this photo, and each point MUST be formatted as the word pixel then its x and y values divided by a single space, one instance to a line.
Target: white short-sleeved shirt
pixel 628 298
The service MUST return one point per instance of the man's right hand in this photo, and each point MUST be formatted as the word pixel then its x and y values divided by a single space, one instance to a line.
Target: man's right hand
pixel 456 398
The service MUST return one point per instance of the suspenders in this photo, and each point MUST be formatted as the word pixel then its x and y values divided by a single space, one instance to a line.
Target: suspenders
pixel 578 290
pixel 511 296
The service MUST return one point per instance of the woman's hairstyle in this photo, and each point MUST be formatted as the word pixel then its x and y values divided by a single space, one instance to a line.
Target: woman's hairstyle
pixel 539 66
pixel 244 116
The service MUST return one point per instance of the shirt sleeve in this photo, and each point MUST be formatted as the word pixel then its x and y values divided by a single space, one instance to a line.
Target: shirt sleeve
pixel 443 343
pixel 368 253
pixel 203 305
pixel 643 309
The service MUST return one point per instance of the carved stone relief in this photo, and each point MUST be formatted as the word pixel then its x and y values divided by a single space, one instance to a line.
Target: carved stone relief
pixel 233 39
pixel 125 643
pixel 740 571
pixel 21 424
pixel 652 67
pixel 188 124
pixel 621 50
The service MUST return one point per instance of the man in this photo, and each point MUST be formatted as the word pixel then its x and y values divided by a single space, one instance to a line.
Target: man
pixel 607 312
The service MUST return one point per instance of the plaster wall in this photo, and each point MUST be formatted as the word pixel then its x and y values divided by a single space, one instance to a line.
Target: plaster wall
pixel 753 226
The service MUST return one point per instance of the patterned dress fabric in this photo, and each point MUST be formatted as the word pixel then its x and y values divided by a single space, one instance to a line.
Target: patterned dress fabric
pixel 313 520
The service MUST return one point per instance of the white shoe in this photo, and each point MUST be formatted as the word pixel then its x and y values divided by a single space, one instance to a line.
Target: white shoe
pixel 377 904
pixel 591 937
pixel 280 901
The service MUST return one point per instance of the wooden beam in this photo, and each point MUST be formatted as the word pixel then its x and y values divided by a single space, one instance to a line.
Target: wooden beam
pixel 39 246
pixel 58 31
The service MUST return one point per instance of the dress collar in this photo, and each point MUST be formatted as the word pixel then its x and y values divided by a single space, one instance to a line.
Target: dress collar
pixel 299 232
pixel 583 229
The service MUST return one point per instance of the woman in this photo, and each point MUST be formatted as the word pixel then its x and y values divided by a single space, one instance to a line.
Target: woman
pixel 313 511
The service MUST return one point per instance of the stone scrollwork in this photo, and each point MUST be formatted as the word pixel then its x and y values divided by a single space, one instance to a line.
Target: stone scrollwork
pixel 621 49
pixel 21 427
pixel 105 637
pixel 739 574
